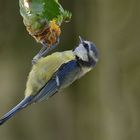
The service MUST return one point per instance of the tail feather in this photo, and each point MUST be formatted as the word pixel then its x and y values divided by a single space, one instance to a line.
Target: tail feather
pixel 24 103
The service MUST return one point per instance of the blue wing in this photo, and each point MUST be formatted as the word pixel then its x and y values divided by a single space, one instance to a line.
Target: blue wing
pixel 47 91
pixel 65 75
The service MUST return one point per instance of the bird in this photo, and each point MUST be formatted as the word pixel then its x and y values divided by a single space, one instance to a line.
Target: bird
pixel 55 72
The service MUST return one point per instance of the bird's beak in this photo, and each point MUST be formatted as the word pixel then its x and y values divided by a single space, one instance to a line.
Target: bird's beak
pixel 81 39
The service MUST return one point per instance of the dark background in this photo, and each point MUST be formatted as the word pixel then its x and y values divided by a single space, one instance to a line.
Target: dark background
pixel 104 104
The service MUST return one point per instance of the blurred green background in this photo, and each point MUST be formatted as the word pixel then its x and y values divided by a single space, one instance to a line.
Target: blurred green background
pixel 104 104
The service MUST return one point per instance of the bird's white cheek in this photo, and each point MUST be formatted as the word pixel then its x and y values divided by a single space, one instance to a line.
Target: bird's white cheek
pixel 81 53
pixel 84 57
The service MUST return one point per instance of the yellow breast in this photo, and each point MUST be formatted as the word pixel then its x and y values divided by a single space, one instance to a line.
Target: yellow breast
pixel 42 72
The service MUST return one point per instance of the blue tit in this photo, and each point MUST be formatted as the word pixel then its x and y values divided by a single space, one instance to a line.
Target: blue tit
pixel 54 72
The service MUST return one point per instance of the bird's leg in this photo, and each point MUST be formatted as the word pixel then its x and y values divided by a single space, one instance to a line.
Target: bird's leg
pixel 47 50
pixel 44 51
pixel 50 48
pixel 39 55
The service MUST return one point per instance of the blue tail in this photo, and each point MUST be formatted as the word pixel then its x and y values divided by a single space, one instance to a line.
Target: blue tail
pixel 24 103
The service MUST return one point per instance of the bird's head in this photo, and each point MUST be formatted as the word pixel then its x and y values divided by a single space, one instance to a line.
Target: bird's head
pixel 86 53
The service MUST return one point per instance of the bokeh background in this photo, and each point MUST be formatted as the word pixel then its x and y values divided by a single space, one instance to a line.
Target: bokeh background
pixel 104 104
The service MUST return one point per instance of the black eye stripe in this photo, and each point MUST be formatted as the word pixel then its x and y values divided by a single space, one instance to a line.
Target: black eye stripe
pixel 86 47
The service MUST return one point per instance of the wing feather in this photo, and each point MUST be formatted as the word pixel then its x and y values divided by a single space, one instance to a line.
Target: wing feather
pixel 65 75
pixel 45 68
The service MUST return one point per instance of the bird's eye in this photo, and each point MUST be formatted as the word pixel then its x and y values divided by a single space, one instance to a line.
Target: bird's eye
pixel 86 46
